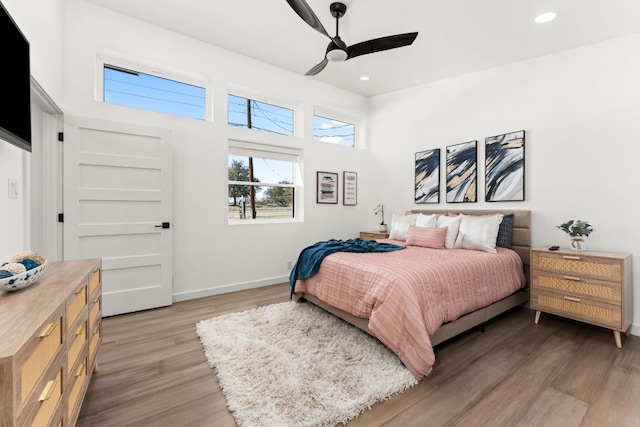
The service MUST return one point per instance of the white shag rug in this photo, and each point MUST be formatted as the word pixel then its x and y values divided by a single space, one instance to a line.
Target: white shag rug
pixel 293 364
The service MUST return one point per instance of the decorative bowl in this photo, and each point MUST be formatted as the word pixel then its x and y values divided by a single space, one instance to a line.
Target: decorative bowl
pixel 22 280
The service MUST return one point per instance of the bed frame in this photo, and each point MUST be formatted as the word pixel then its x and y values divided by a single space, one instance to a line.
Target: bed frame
pixel 521 245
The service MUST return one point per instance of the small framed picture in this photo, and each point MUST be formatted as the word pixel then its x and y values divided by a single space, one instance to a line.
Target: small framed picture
pixel 327 187
pixel 349 188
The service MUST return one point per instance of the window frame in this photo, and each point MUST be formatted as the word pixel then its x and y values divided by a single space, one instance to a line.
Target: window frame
pixel 358 126
pixel 274 152
pixel 156 70
pixel 296 107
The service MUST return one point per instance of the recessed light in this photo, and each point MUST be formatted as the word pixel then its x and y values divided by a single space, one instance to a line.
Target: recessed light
pixel 545 17
pixel 364 78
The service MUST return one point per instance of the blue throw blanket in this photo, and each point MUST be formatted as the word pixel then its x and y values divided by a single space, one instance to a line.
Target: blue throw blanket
pixel 311 257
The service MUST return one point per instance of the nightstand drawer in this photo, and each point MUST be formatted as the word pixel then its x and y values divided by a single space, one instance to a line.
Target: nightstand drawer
pixel 585 265
pixel 373 235
pixel 585 310
pixel 577 286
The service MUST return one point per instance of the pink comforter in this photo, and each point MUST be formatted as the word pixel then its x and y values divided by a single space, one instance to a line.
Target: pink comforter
pixel 408 294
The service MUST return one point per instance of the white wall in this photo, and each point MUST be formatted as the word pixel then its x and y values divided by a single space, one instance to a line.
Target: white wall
pixel 241 256
pixel 41 22
pixel 42 25
pixel 11 210
pixel 580 110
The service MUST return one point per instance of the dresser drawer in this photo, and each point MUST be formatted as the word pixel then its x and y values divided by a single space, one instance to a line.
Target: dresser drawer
pixel 94 281
pixel 581 287
pixel 75 304
pixel 585 310
pixel 48 400
pixel 608 269
pixel 49 342
pixel 95 310
pixel 94 344
pixel 77 341
pixel 76 382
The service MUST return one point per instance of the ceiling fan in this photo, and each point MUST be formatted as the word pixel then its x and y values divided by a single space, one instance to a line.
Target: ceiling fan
pixel 337 50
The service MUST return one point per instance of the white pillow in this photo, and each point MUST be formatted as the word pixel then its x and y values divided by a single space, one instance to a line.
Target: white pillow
pixel 479 232
pixel 453 223
pixel 426 221
pixel 400 224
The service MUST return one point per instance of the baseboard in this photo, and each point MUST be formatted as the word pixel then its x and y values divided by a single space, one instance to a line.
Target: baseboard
pixel 635 329
pixel 207 292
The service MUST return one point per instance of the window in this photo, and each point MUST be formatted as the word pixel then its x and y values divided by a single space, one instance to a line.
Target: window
pixel 250 114
pixel 333 131
pixel 261 182
pixel 148 92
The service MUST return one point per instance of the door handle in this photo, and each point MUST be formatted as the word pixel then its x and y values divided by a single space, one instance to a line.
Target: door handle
pixel 163 225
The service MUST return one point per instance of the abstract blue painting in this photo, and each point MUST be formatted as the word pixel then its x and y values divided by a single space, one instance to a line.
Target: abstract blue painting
pixel 427 183
pixel 504 167
pixel 462 162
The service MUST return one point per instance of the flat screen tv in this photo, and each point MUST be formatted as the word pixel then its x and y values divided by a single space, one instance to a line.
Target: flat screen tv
pixel 15 81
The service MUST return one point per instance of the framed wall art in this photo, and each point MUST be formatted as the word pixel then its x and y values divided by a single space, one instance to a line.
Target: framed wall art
pixel 427 177
pixel 327 187
pixel 504 167
pixel 349 188
pixel 462 162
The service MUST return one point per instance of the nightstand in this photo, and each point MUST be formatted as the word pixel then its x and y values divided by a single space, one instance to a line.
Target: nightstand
pixel 592 287
pixel 374 235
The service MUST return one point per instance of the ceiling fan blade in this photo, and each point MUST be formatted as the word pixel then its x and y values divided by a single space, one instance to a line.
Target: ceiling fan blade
pixel 380 44
pixel 306 13
pixel 315 70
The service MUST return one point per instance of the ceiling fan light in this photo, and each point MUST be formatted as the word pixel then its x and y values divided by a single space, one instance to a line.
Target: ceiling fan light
pixel 336 55
pixel 545 17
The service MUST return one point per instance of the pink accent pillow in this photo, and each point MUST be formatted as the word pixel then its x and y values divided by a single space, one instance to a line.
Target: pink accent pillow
pixel 426 237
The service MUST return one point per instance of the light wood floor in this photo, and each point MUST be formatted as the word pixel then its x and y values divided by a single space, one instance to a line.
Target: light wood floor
pixel 153 372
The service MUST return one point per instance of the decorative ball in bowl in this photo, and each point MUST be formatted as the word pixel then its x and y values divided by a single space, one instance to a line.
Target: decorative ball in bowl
pixel 22 280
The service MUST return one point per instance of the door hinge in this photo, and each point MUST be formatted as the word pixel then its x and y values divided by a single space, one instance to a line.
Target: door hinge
pixel 60 136
pixel 60 217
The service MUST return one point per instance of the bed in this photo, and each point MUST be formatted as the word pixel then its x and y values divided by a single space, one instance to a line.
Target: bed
pixel 343 286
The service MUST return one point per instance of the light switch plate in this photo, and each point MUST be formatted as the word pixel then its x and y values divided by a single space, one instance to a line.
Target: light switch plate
pixel 13 188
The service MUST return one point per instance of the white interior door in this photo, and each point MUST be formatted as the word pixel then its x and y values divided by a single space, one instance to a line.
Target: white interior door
pixel 117 195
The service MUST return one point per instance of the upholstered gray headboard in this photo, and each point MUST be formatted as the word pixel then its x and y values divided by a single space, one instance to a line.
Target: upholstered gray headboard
pixel 521 228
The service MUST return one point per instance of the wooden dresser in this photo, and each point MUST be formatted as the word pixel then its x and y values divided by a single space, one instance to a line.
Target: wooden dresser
pixel 593 287
pixel 49 339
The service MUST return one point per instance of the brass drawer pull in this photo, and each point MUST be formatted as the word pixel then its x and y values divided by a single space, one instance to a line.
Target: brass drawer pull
pixel 80 330
pixel 572 299
pixel 48 390
pixel 571 257
pixel 79 291
pixel 97 300
pixel 97 331
pixel 48 330
pixel 577 279
pixel 80 369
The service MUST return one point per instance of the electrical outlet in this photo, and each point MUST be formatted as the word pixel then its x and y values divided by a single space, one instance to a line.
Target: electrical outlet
pixel 289 265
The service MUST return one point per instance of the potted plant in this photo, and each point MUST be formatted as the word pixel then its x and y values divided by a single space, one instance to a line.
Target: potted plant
pixel 380 210
pixel 577 230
